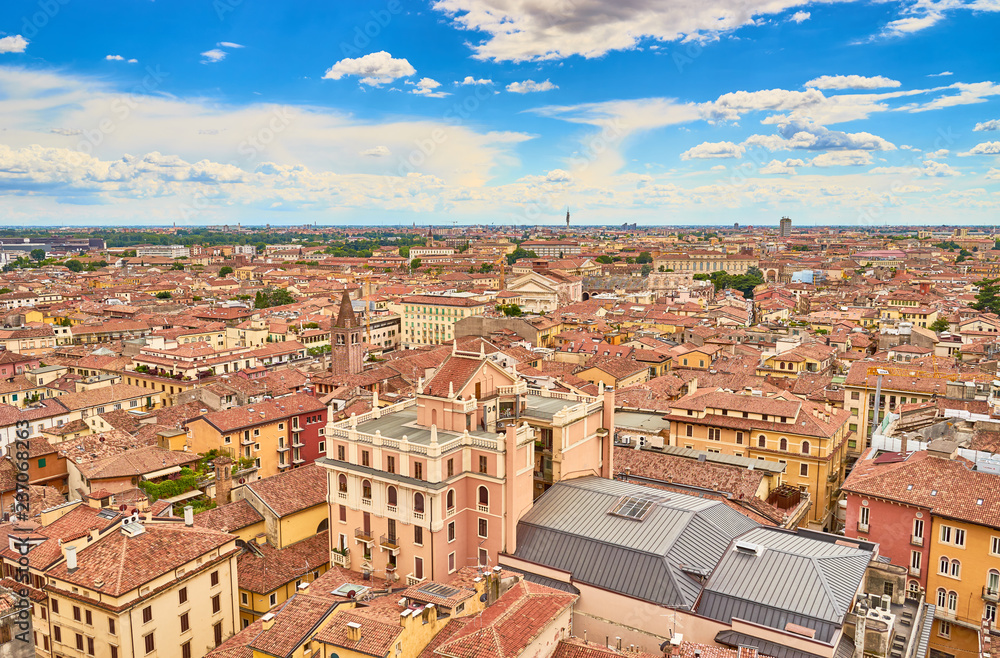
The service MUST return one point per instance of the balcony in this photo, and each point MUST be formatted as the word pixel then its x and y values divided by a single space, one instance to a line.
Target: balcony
pixel 363 536
pixel 833 476
pixel 283 448
pixel 296 443
pixel 246 442
pixel 862 527
pixel 367 502
pixel 418 516
pixel 389 543
pixel 916 541
pixel 991 594
pixel 390 568
pixel 412 580
pixel 342 495
pixel 483 508
pixel 299 460
pixel 342 558
pixel 391 509
pixel 450 512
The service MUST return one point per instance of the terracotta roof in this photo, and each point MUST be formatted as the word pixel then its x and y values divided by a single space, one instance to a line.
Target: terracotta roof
pixel 456 371
pixel 740 482
pixel 260 413
pixel 263 568
pixel 229 518
pixel 139 461
pixel 377 636
pixel 295 620
pixel 292 491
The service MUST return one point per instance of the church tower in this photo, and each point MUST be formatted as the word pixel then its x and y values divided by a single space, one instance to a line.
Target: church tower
pixel 347 348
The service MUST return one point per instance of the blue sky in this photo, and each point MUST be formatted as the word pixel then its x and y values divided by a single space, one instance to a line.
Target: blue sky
pixel 496 111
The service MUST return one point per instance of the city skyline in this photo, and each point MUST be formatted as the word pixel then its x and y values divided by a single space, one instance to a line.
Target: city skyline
pixel 466 112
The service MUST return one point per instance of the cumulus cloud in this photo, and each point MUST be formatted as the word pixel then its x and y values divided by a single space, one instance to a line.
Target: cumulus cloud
pixel 842 159
pixel 707 150
pixel 851 82
pixel 229 44
pixel 993 174
pixel 782 167
pixel 529 86
pixel 528 30
pixel 799 16
pixel 115 58
pixel 968 94
pixel 426 87
pixel 985 148
pixel 13 44
pixel 992 124
pixel 795 135
pixel 469 80
pixel 374 69
pixel 212 56
pixel 940 153
pixel 376 152
pixel 939 169
pixel 940 75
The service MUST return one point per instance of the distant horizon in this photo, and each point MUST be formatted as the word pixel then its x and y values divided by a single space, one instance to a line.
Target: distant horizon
pixel 500 227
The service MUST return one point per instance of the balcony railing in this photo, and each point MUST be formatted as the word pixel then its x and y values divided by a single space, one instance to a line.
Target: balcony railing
pixel 341 559
pixel 283 448
pixel 364 536
pixel 862 527
pixel 246 442
pixel 419 516
pixel 389 542
pixel 367 502
pixel 391 509
pixel 482 508
pixel 342 495
pixel 450 512
pixel 991 593
pixel 916 541
pixel 412 580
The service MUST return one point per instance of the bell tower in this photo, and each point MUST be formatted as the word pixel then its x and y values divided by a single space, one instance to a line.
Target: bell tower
pixel 347 348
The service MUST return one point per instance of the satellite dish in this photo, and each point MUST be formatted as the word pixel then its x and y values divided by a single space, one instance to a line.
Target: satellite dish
pixel 242 480
pixel 101 439
pixel 122 507
pixel 483 597
pixel 351 594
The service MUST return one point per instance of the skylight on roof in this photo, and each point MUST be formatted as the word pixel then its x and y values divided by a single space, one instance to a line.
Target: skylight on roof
pixel 631 507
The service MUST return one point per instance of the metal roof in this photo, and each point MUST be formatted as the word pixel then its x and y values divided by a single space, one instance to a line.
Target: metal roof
pixel 804 579
pixel 764 647
pixel 642 421
pixel 569 529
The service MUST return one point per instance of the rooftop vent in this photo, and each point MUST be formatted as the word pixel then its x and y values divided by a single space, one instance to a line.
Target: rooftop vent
pixel 748 548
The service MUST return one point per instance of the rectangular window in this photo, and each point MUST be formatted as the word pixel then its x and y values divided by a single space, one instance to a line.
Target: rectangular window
pixel 483 463
pixel 915 557
pixel 418 470
pixel 365 458
pixel 864 515
pixel 185 623
pixel 214 578
pixel 418 535
pixel 243 598
pixel 111 625
pixel 804 470
pixel 945 534
pixel 79 642
pixel 272 600
pixel 76 613
pixel 451 467
pixel 150 644
pixel 343 513
pixel 186 650
pixel 483 527
pixel 218 633
pixel 944 628
pixel 995 545
pixel 739 438
pixel 147 614
pixel 89 617
pixel 216 604
pixel 341 453
pixel 182 595
pixel 959 537
pixel 918 528
pixel 390 464
pixel 451 562
pixel 451 531
pixel 57 633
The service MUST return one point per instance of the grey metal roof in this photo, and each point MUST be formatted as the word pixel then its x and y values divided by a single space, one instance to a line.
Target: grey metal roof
pixel 798 578
pixel 641 421
pixel 544 580
pixel 395 425
pixel 764 647
pixel 925 631
pixel 569 528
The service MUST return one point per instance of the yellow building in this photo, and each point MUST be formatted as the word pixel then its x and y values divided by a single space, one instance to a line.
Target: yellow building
pixel 430 319
pixel 810 440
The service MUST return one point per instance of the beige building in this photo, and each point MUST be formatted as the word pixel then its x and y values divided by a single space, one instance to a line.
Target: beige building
pixel 430 319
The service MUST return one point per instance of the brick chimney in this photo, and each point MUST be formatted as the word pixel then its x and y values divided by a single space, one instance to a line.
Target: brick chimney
pixel 223 479
pixel 353 631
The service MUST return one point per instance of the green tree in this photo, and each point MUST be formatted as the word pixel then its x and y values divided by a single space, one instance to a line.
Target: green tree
pixel 177 266
pixel 941 324
pixel 261 247
pixel 5 290
pixel 518 254
pixel 129 253
pixel 269 297
pixel 415 264
pixel 37 255
pixel 163 294
pixel 646 269
pixel 486 268
pixel 225 271
pixel 604 259
pixel 404 252
pixel 510 310
pixel 988 297
pixel 73 265
pixel 644 257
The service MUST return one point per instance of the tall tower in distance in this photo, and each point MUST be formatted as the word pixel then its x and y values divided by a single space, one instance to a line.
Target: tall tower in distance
pixel 567 218
pixel 347 349
pixel 785 227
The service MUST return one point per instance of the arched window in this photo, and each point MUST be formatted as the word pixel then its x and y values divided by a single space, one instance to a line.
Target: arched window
pixel 418 503
pixel 783 444
pixel 761 441
pixel 390 496
pixel 956 569
pixel 993 582
pixel 953 601
pixel 484 496
pixel 323 525
pixel 944 565
pixel 342 483
pixel 941 594
pixel 366 489
pixel 450 499
pixel 913 587
pixel 805 447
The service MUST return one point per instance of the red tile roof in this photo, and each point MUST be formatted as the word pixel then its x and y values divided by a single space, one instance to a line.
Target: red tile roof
pixel 292 491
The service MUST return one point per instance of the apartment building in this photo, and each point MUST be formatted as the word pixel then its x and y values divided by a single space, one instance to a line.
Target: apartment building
pixel 164 251
pixel 934 514
pixel 430 319
pixel 552 248
pixel 277 434
pixel 809 439
pixel 705 262
pixel 432 484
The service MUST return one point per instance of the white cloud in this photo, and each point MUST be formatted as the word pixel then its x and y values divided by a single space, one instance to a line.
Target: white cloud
pixel 133 61
pixel 376 152
pixel 529 86
pixel 529 30
pixel 911 24
pixel 374 69
pixel 469 80
pixel 986 148
pixel 940 153
pixel 803 135
pixel 782 167
pixel 426 87
pixel 13 44
pixel 842 159
pixel 993 174
pixel 940 75
pixel 799 16
pixel 851 82
pixel 992 124
pixel 115 58
pixel 969 94
pixel 212 56
pixel 229 44
pixel 939 169
pixel 713 150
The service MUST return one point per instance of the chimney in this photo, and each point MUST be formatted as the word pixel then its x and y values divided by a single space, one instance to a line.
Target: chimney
pixel 353 631
pixel 268 620
pixel 188 516
pixel 71 558
pixel 303 587
pixel 223 479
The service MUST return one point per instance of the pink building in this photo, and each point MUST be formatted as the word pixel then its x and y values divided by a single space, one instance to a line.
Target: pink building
pixel 901 527
pixel 436 483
